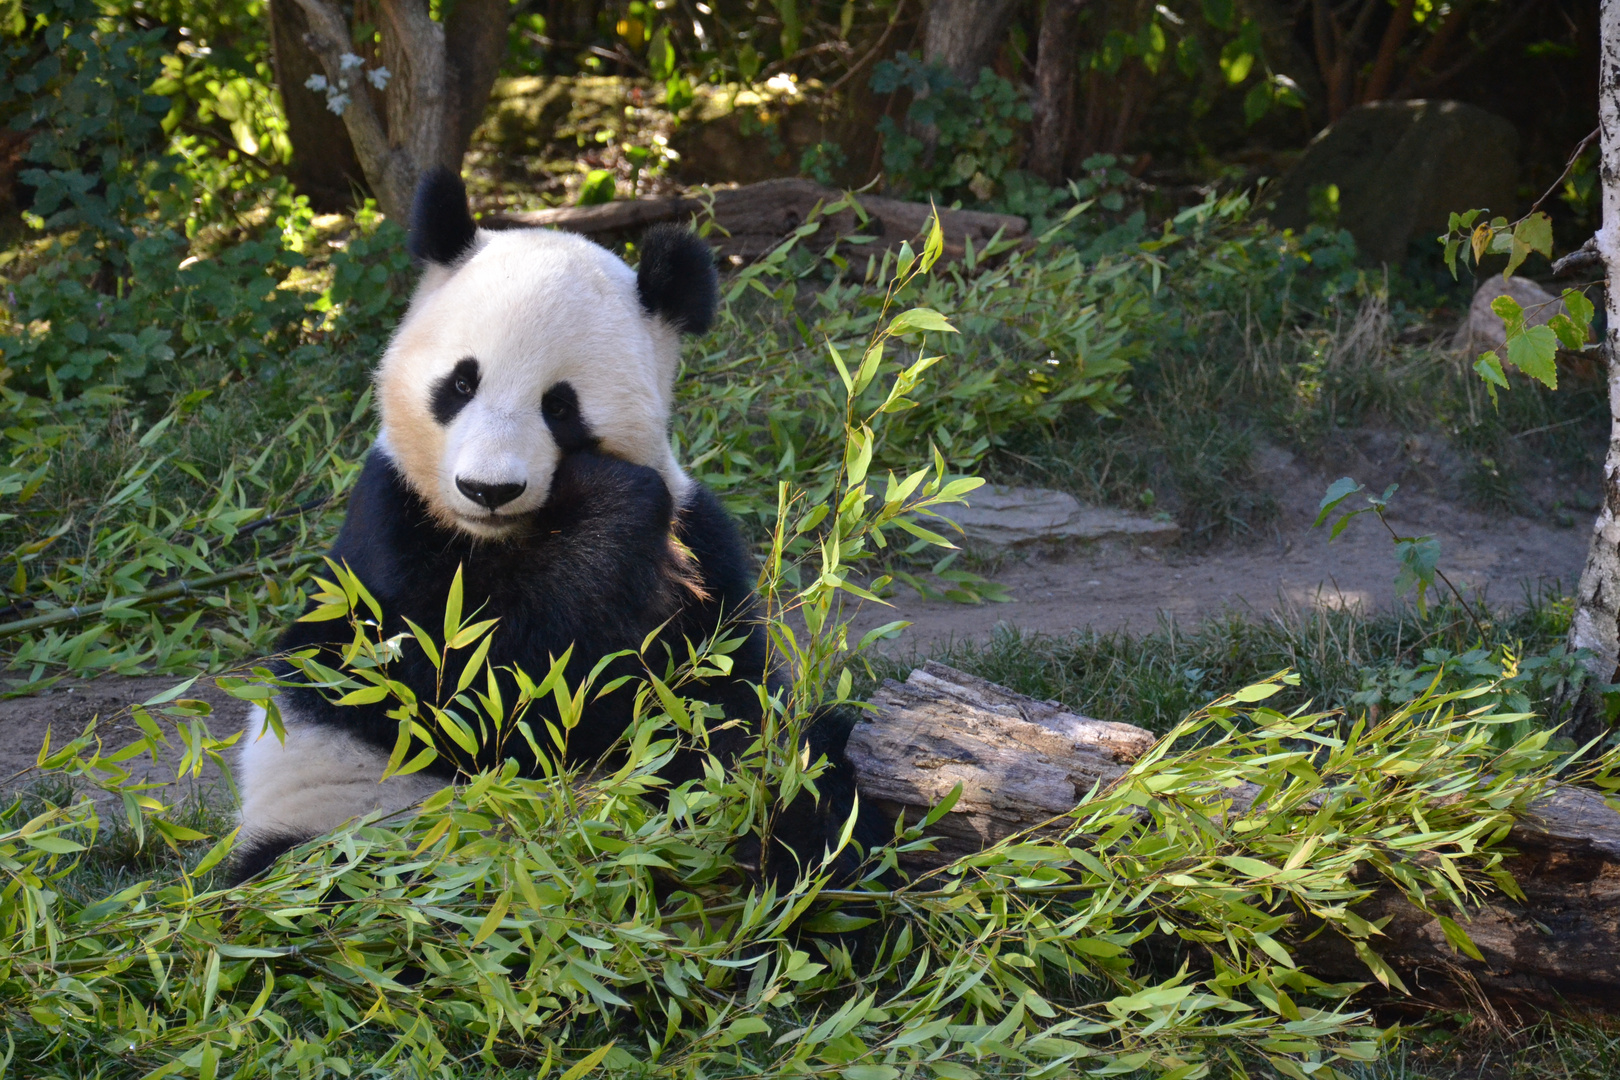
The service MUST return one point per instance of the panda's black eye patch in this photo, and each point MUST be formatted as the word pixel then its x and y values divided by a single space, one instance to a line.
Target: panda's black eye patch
pixel 452 392
pixel 560 408
pixel 559 404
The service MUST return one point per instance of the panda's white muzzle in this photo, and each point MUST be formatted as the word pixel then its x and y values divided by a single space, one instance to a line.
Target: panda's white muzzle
pixel 498 466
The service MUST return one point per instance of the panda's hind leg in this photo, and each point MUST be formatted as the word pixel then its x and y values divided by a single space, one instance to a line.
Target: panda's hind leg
pixel 318 778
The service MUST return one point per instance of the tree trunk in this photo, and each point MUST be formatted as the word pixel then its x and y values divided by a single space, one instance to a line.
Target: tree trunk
pixel 1057 66
pixel 1383 72
pixel 1021 762
pixel 324 167
pixel 1596 625
pixel 964 35
pixel 438 81
pixel 475 42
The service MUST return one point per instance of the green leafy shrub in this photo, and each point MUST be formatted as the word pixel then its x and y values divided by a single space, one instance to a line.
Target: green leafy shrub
pixel 973 133
pixel 1040 333
pixel 75 84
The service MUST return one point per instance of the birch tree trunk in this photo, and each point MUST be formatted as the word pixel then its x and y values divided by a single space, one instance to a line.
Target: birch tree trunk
pixel 1596 625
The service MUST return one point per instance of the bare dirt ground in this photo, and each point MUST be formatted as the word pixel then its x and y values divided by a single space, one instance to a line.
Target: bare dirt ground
pixel 1106 588
pixel 1287 563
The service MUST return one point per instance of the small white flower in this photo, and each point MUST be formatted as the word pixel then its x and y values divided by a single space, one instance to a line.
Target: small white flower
pixel 337 103
pixel 348 61
pixel 379 77
pixel 315 82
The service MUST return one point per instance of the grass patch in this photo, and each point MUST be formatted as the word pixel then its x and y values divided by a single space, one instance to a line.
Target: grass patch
pixel 1344 659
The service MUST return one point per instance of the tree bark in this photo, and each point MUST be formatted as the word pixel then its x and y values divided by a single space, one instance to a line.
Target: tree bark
pixel 440 75
pixel 1596 625
pixel 323 167
pixel 964 35
pixel 475 42
pixel 1383 71
pixel 1057 67
pixel 1021 762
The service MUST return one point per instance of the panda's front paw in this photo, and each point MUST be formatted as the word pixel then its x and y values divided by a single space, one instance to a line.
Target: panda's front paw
pixel 596 485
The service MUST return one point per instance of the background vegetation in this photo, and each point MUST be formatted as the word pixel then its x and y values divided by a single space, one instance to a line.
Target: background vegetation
pixel 186 330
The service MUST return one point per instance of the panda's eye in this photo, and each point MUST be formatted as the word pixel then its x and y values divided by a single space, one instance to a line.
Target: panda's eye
pixel 453 390
pixel 556 406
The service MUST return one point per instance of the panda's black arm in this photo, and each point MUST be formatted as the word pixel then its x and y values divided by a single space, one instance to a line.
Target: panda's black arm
pixel 710 533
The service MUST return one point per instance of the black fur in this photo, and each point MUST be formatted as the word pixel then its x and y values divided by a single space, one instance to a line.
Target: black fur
pixel 254 860
pixel 677 280
pixel 594 568
pixel 442 226
pixel 451 393
pixel 560 409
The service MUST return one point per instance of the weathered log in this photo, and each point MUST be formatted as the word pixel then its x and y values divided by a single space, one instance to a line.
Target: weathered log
pixel 755 218
pixel 1560 946
pixel 1021 762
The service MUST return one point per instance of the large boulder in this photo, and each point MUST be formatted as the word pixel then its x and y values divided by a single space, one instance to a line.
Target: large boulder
pixel 1401 168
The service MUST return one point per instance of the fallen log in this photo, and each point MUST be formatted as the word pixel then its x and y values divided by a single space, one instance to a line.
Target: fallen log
pixel 1022 762
pixel 753 219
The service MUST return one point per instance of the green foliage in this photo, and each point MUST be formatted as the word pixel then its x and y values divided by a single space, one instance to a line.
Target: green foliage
pixel 1494 677
pixel 598 188
pixel 1417 557
pixel 223 313
pixel 957 141
pixel 95 143
pixel 1042 333
pixel 569 924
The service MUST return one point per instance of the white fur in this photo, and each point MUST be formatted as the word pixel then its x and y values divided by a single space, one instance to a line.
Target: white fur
pixel 318 779
pixel 534 308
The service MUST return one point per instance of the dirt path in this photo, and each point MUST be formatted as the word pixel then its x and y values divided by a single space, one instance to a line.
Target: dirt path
pixel 65 709
pixel 1290 563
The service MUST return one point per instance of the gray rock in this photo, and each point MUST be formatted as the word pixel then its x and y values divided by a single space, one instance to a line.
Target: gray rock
pixel 1401 168
pixel 1019 517
pixel 1483 328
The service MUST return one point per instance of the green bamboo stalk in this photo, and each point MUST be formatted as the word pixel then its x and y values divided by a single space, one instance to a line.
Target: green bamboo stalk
pixel 153 596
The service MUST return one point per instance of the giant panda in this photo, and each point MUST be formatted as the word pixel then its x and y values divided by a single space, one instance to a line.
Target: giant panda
pixel 525 403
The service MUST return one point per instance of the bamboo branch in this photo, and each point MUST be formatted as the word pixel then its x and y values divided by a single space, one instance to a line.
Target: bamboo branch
pixel 77 613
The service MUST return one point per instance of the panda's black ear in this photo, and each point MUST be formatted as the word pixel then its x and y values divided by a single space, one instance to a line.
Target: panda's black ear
pixel 677 280
pixel 442 227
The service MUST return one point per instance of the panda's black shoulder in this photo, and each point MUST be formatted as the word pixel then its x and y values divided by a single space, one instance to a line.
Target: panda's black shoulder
pixel 388 535
pixel 712 535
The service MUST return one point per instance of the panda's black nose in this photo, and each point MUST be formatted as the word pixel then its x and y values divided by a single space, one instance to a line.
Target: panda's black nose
pixel 489 496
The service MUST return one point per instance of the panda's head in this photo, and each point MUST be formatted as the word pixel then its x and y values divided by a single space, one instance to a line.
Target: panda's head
pixel 523 345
